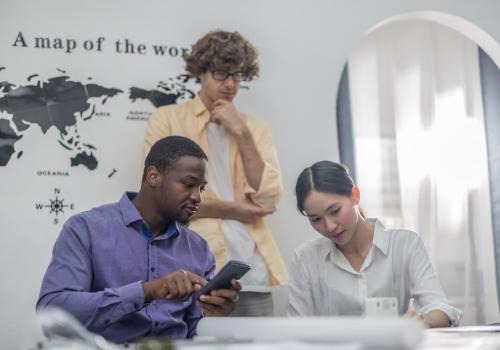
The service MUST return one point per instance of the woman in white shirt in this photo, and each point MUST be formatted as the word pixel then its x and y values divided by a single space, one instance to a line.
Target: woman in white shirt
pixel 357 258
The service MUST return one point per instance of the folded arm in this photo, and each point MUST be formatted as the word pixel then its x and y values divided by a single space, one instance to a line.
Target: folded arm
pixel 244 210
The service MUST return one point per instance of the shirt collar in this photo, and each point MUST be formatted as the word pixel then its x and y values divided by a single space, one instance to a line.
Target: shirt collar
pixel 129 211
pixel 380 236
pixel 199 107
pixel 131 215
pixel 201 112
pixel 171 232
pixel 380 241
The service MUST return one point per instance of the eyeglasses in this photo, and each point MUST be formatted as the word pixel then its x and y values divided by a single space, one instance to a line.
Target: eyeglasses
pixel 221 76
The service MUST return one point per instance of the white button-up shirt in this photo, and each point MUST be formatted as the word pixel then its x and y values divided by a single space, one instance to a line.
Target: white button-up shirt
pixel 323 282
pixel 238 241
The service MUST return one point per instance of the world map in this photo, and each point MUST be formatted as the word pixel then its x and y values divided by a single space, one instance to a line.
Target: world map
pixel 63 103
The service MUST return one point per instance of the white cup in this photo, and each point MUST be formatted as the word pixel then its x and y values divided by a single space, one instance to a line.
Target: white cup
pixel 381 307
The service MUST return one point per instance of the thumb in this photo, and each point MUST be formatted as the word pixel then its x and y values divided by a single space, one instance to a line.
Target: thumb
pixel 267 211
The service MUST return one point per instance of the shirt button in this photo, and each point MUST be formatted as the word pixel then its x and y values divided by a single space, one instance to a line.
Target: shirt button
pixel 153 269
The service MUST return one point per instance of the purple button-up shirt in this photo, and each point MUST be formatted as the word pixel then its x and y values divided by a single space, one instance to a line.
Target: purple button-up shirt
pixel 99 261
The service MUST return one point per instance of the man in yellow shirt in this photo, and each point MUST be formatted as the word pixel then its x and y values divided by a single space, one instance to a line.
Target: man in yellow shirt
pixel 244 179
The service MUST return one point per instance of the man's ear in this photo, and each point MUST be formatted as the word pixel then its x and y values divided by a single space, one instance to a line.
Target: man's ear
pixel 356 195
pixel 153 176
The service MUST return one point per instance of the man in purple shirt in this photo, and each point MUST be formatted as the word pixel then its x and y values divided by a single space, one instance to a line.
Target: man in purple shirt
pixel 127 270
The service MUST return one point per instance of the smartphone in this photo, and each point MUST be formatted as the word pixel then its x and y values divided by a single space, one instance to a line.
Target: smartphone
pixel 232 269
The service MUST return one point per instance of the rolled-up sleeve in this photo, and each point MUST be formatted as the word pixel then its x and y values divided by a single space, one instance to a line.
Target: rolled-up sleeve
pixel 270 189
pixel 425 286
pixel 68 279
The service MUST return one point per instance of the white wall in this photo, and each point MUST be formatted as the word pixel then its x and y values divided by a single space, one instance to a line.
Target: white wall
pixel 303 46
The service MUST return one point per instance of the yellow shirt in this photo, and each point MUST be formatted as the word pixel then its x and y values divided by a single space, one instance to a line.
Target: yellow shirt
pixel 189 120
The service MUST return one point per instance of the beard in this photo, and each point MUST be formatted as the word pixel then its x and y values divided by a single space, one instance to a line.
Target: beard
pixel 184 219
pixel 185 222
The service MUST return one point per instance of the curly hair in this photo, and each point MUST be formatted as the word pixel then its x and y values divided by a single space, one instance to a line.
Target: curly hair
pixel 221 51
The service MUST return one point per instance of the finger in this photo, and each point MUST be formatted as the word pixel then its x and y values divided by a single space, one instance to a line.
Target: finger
pixel 183 288
pixel 190 286
pixel 202 282
pixel 410 314
pixel 220 102
pixel 236 284
pixel 215 304
pixel 214 299
pixel 213 115
pixel 194 278
pixel 161 289
pixel 229 294
pixel 215 118
pixel 196 282
pixel 212 310
pixel 173 291
pixel 217 110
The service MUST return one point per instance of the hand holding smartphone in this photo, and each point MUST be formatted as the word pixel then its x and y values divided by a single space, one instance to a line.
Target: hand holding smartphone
pixel 233 269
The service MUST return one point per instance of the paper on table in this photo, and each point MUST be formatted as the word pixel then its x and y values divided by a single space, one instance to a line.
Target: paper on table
pixel 373 332
pixel 289 345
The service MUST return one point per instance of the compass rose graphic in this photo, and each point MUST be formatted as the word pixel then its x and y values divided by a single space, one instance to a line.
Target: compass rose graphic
pixel 56 205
